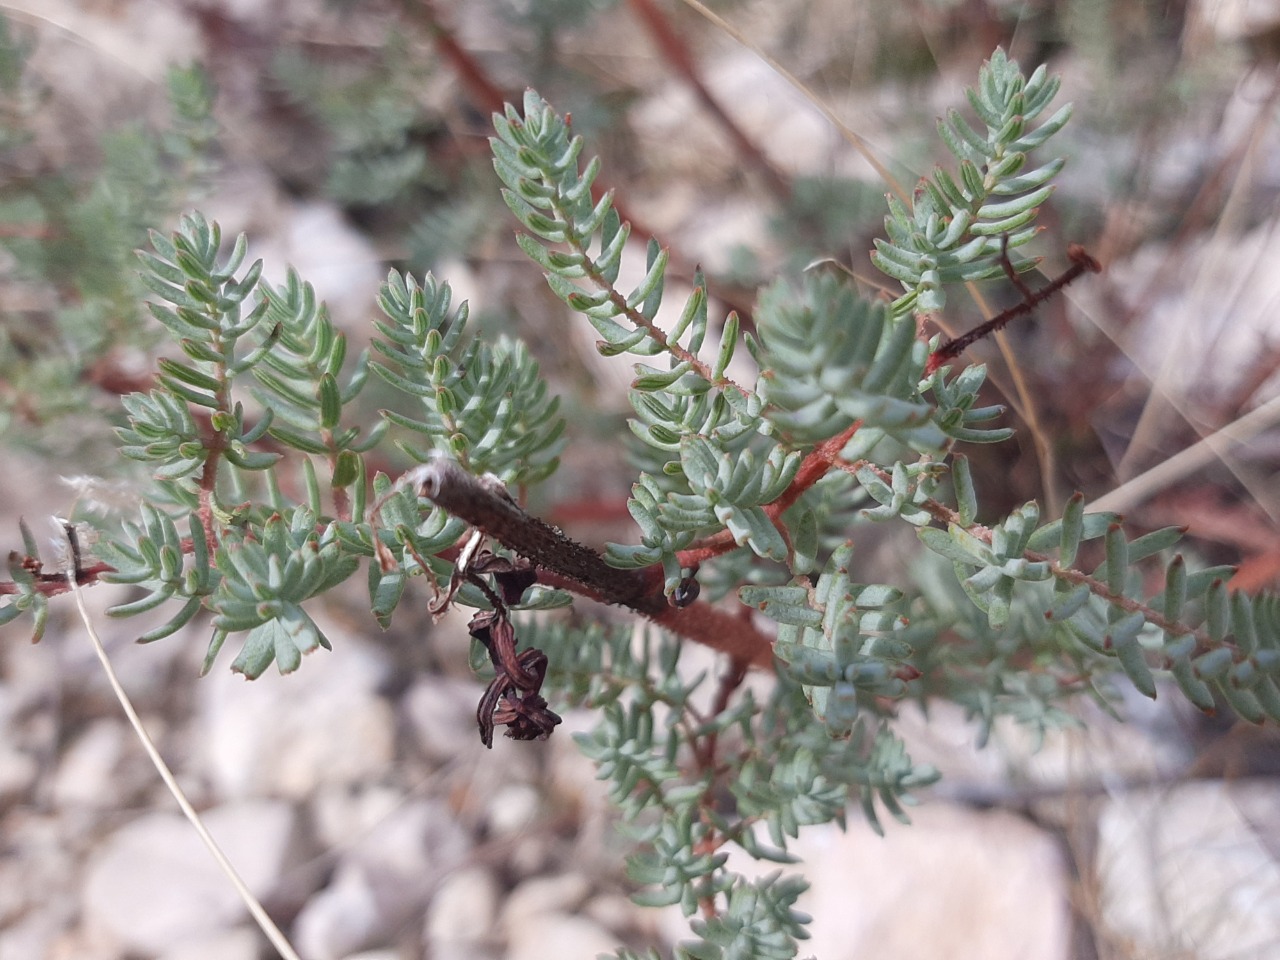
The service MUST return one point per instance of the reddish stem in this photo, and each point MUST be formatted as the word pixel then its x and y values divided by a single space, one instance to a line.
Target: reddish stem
pixel 815 466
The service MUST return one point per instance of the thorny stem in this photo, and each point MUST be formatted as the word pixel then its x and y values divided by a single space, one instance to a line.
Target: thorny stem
pixel 1081 263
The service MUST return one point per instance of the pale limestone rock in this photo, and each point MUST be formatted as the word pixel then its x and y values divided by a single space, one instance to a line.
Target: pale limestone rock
pixel 464 908
pixel 323 725
pixel 341 918
pixel 513 809
pixel 544 895
pixel 384 880
pixel 89 765
pixel 241 943
pixel 153 885
pixel 956 883
pixel 560 935
pixel 1240 19
pixel 442 714
pixel 18 771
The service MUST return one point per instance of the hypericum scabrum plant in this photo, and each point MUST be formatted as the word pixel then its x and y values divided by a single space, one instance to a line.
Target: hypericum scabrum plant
pixel 838 413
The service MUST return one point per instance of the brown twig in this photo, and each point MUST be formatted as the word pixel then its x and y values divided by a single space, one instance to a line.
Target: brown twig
pixel 1081 263
pixel 570 565
pixel 470 498
pixel 51 584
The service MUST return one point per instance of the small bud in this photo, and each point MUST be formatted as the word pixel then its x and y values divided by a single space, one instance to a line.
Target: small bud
pixel 686 591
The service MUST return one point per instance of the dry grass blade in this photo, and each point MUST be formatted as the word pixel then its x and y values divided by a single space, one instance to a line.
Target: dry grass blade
pixel 1215 446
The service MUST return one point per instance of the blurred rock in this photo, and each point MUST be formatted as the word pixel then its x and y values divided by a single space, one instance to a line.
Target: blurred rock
pixel 330 254
pixel 976 886
pixel 616 912
pixel 1241 19
pixel 289 736
pixel 41 935
pixel 18 771
pixel 411 846
pixel 42 860
pixel 543 895
pixel 465 951
pixel 88 766
pixel 559 935
pixel 442 714
pixel 385 878
pixel 243 943
pixel 153 886
pixel 513 809
pixel 342 815
pixel 464 909
pixel 135 41
pixel 576 791
pixel 343 917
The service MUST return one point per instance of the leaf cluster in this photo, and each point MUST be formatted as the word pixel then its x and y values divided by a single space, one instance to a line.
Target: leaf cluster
pixel 484 404
pixel 265 399
pixel 1202 634
pixel 664 760
pixel 956 227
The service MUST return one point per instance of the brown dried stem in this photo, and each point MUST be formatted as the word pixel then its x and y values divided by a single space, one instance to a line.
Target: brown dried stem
pixel 567 564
